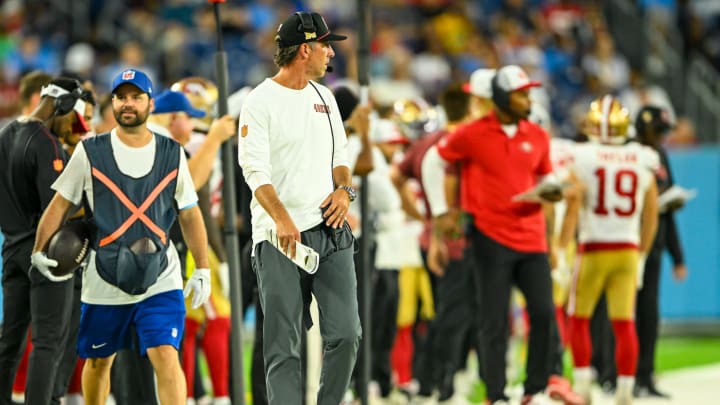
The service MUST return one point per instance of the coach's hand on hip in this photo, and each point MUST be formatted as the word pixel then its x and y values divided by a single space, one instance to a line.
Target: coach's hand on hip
pixel 335 207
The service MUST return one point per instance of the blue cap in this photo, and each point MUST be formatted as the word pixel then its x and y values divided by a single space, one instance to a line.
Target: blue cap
pixel 134 77
pixel 174 101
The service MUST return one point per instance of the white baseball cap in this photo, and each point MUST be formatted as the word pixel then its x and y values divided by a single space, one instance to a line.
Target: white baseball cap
pixel 480 83
pixel 383 130
pixel 513 78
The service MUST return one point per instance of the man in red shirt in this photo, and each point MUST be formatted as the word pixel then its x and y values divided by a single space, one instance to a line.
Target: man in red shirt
pixel 503 155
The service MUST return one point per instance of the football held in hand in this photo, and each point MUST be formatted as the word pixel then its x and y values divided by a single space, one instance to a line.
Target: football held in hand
pixel 69 246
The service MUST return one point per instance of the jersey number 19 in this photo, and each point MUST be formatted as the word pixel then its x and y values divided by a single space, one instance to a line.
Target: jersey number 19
pixel 625 182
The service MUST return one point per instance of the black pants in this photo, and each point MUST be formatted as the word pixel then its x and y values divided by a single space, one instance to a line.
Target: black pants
pixel 257 375
pixel 132 379
pixel 250 297
pixel 29 299
pixel 498 268
pixel 453 295
pixel 647 316
pixel 69 355
pixel 603 344
pixel 385 296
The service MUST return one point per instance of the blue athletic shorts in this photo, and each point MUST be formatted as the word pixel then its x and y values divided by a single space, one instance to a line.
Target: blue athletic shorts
pixel 105 329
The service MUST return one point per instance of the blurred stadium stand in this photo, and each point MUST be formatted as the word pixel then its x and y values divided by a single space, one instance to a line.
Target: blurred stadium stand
pixel 420 46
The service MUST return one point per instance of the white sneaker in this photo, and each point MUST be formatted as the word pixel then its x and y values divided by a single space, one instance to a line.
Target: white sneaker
pixel 18 397
pixel 583 383
pixel 624 391
pixel 74 399
pixel 222 401
pixel 397 398
pixel 348 398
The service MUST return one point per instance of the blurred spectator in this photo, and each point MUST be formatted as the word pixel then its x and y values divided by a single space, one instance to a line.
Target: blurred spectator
pixel 31 54
pixel 417 46
pixel 641 93
pixel 30 86
pixel 431 69
pixel 131 55
pixel 607 65
pixel 562 16
pixel 80 58
pixel 106 118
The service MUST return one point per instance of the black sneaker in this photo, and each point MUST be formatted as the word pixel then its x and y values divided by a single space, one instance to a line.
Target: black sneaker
pixel 648 391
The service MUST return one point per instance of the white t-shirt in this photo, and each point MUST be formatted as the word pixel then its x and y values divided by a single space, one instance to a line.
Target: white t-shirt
pixel 561 158
pixel 136 163
pixel 433 181
pixel 285 140
pixel 616 180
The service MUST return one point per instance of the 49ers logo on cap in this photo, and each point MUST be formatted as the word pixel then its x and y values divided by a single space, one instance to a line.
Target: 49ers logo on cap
pixel 128 75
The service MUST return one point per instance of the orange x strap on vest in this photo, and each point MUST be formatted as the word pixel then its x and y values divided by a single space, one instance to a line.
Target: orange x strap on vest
pixel 138 213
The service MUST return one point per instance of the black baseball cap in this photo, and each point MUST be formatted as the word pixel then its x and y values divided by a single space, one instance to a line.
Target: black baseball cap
pixel 652 117
pixel 302 27
pixel 346 101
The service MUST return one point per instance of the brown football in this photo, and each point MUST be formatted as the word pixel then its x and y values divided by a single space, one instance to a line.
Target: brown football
pixel 69 246
pixel 143 246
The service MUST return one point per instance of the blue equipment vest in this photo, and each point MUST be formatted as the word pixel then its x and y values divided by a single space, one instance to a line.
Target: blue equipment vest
pixel 127 209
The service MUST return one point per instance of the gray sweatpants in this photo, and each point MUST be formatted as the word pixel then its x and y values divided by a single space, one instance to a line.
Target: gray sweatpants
pixel 335 289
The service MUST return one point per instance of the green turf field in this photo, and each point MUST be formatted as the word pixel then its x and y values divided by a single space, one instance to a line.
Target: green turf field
pixel 675 353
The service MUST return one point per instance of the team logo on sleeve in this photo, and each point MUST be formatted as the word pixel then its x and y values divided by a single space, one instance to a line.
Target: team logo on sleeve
pixel 58 165
pixel 244 130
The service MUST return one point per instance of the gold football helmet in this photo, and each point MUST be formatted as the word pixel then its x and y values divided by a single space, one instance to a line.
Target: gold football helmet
pixel 203 95
pixel 415 117
pixel 607 121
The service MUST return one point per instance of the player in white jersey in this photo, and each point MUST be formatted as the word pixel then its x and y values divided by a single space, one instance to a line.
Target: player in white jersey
pixel 616 216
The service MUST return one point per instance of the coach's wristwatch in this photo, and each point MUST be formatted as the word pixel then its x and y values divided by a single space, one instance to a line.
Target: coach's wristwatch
pixel 351 192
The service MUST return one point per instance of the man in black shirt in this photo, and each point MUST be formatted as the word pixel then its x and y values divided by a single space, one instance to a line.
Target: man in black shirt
pixel 652 124
pixel 31 158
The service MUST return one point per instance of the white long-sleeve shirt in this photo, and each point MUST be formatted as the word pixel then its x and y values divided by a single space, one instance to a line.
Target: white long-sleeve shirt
pixel 433 181
pixel 286 141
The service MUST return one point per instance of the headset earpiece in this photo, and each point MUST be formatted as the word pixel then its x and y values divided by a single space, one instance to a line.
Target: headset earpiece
pixel 306 22
pixel 65 103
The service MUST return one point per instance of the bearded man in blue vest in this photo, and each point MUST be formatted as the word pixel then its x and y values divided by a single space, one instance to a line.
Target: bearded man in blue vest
pixel 136 183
